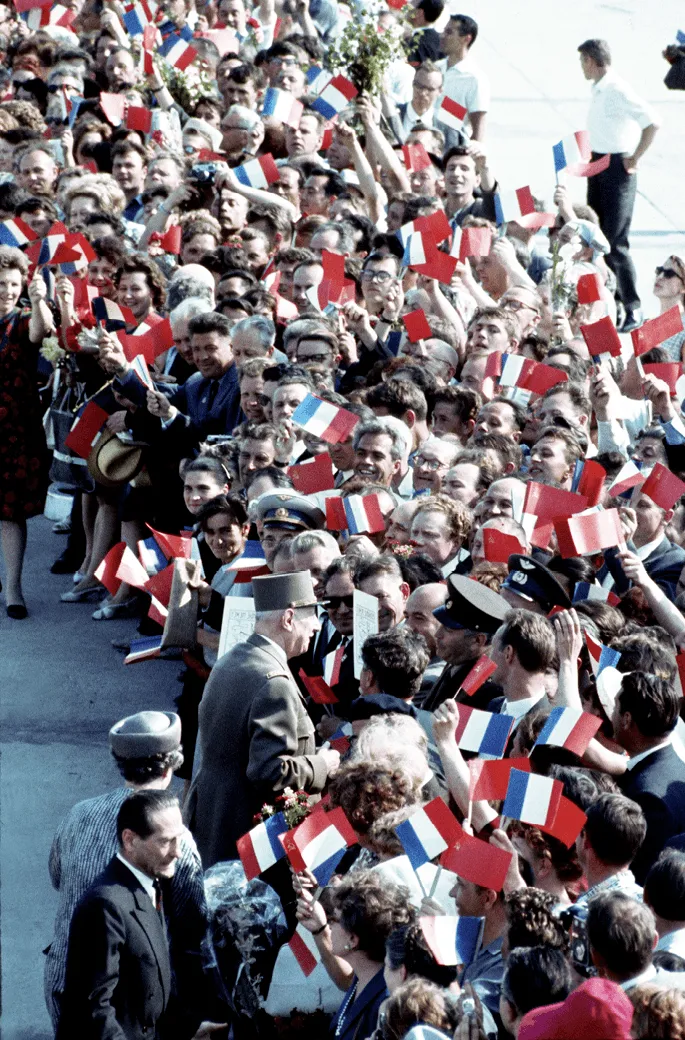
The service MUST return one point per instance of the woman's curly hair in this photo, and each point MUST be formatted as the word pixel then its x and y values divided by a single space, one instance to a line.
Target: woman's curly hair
pixel 365 792
pixel 545 846
pixel 532 921
pixel 659 1013
pixel 419 1002
pixel 368 906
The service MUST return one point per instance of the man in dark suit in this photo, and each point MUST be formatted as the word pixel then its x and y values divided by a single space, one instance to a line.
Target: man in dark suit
pixel 255 735
pixel 208 403
pixel 662 559
pixel 118 980
pixel 644 718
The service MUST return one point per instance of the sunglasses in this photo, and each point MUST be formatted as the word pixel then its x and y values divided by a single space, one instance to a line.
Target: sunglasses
pixel 335 602
pixel 666 272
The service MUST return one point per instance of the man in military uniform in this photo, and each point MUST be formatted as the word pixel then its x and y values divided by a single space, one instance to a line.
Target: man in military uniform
pixel 255 737
pixel 468 620
pixel 532 586
pixel 280 515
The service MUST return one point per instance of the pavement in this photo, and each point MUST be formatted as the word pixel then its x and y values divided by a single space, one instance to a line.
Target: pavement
pixel 61 684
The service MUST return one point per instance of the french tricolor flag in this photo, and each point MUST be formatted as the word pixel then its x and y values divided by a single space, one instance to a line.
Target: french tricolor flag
pixel 428 832
pixel 532 798
pixel 324 420
pixel 250 564
pixel 258 173
pixel 628 477
pixel 601 656
pixel 451 113
pixel 319 843
pixel 16 233
pixel 177 52
pixel 331 666
pixel 569 728
pixel 583 590
pixel 261 847
pixel 151 556
pixel 112 313
pixel 137 16
pixel 414 250
pixel 573 153
pixel 335 97
pixel 483 732
pixel 144 649
pixel 358 514
pixel 317 79
pixel 340 741
pixel 512 205
pixel 281 105
pixel 453 940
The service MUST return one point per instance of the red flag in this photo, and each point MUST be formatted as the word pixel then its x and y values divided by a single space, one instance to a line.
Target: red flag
pixel 548 504
pixel 654 332
pixel 106 573
pixel 159 585
pixel 113 107
pixel 416 324
pixel 669 371
pixel 568 822
pixel 601 337
pixel 588 288
pixel 131 570
pixel 86 429
pixel 480 673
pixel 581 535
pixel 438 265
pixel 317 688
pixel 310 477
pixel 173 545
pixel 498 546
pixel 475 241
pixel 435 226
pixel 663 487
pixel 138 119
pixel 303 955
pixel 333 266
pixel 478 861
pixel 592 481
pixel 489 780
pixel 171 240
pixel 416 157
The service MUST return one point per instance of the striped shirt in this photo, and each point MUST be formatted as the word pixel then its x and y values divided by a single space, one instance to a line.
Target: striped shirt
pixel 84 844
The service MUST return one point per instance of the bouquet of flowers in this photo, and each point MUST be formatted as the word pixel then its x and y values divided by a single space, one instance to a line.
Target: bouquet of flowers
pixel 295 806
pixel 363 52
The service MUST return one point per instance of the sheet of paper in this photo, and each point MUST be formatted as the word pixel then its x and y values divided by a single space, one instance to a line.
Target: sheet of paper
pixel 237 623
pixel 365 620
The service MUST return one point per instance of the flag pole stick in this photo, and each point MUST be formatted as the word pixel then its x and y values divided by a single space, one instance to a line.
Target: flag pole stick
pixel 435 881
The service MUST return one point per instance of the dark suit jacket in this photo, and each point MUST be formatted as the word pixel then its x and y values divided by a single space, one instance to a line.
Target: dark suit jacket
pixel 196 420
pixel 361 1015
pixel 657 783
pixel 118 980
pixel 449 681
pixel 663 565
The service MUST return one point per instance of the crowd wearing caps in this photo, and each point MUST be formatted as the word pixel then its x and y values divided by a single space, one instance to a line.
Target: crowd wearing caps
pixel 380 448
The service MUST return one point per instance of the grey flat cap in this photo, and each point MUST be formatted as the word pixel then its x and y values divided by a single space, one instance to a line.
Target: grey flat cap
pixel 146 733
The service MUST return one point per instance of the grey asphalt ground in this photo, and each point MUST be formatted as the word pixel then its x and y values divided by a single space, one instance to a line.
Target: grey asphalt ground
pixel 61 684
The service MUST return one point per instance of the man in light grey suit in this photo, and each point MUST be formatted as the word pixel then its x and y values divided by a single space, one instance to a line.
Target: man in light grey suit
pixel 255 735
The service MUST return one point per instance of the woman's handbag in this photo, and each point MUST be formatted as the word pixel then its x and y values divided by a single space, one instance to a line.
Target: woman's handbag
pixel 67 469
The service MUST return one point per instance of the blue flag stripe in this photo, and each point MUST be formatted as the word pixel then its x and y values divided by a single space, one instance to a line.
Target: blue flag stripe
pixel 467 938
pixel 325 870
pixel 516 793
pixel 276 825
pixel 551 722
pixel 496 736
pixel 411 844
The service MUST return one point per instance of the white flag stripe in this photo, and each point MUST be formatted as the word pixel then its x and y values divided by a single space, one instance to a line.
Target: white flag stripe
pixel 564 727
pixel 429 836
pixel 511 370
pixel 474 731
pixel 332 96
pixel 536 801
pixel 322 419
pixel 405 231
pixel 356 505
pixel 262 847
pixel 509 202
pixel 323 846
pixel 255 173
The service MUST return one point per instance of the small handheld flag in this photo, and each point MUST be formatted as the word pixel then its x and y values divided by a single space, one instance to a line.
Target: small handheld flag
pixel 335 97
pixel 324 420
pixel 258 173
pixel 260 848
pixel 451 113
pixel 573 153
pixel 482 731
pixel 144 649
pixel 570 729
pixel 532 798
pixel 319 842
pixel 358 514
pixel 453 940
pixel 282 106
pixel 428 832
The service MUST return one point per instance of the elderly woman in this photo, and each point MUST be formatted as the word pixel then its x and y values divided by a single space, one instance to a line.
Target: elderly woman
pixel 23 454
pixel 365 911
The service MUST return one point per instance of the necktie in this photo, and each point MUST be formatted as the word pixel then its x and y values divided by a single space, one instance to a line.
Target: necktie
pixel 211 393
pixel 158 898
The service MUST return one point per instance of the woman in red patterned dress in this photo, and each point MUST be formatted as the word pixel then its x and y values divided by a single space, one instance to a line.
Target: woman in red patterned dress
pixel 23 452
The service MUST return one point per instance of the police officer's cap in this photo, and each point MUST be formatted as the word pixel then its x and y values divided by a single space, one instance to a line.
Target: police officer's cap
pixel 531 580
pixel 472 606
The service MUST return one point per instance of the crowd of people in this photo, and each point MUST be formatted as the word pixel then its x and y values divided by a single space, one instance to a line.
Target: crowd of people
pixel 386 455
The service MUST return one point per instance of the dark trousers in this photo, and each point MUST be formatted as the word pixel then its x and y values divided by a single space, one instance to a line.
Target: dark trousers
pixel 612 195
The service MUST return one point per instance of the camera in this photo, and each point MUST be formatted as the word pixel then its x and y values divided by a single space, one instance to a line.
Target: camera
pixel 575 923
pixel 203 173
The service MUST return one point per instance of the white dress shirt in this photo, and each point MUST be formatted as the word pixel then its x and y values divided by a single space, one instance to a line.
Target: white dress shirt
pixel 465 84
pixel 617 116
pixel 632 762
pixel 147 882
pixel 412 117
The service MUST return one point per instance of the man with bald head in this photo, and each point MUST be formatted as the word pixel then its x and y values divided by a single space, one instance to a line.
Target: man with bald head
pixel 443 358
pixel 503 498
pixel 420 618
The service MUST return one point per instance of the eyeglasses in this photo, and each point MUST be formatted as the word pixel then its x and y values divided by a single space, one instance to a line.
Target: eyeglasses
pixel 516 306
pixel 377 276
pixel 666 272
pixel 420 462
pixel 335 602
pixel 189 149
pixel 314 358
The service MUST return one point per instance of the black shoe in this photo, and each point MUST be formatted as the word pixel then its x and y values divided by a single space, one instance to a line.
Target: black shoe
pixel 65 565
pixel 632 320
pixel 17 611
